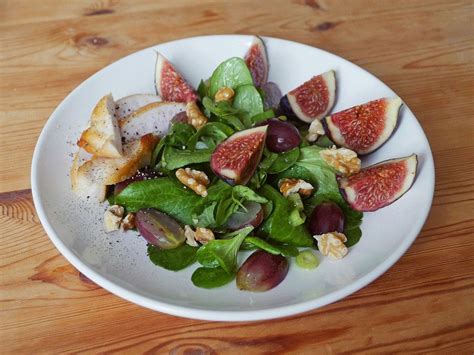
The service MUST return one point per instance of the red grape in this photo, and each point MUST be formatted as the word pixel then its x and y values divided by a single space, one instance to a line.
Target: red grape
pixel 159 229
pixel 326 217
pixel 262 271
pixel 282 136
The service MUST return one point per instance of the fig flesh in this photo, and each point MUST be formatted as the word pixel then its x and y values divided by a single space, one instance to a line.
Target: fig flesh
pixel 311 100
pixel 379 185
pixel 364 128
pixel 257 62
pixel 236 159
pixel 262 271
pixel 170 84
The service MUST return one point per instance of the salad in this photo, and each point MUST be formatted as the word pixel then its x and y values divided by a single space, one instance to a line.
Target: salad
pixel 235 166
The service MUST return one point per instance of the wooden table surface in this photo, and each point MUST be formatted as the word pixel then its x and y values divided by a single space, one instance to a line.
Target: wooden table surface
pixel 422 49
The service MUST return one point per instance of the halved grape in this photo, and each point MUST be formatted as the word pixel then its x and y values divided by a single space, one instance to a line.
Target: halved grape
pixel 159 229
pixel 241 218
pixel 262 271
pixel 282 136
pixel 326 217
pixel 142 174
pixel 307 260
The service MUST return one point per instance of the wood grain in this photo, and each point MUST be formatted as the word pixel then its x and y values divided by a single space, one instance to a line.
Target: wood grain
pixel 424 50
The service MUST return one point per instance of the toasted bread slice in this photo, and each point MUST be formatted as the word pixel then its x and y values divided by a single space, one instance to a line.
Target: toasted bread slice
pixel 83 184
pixel 153 118
pixel 102 138
pixel 104 171
pixel 129 104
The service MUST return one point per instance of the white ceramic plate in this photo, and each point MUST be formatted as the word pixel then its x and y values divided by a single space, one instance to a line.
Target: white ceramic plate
pixel 118 262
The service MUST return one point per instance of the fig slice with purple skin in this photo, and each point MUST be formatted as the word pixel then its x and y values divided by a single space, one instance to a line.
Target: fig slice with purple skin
pixel 170 84
pixel 257 62
pixel 311 100
pixel 379 185
pixel 236 159
pixel 364 128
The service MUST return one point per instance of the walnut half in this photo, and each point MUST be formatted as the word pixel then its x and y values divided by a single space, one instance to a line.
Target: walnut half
pixel 316 129
pixel 343 160
pixel 195 117
pixel 194 179
pixel 332 245
pixel 291 186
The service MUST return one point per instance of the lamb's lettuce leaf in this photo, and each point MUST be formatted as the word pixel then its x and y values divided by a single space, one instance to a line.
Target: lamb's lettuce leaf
pixel 165 194
pixel 277 226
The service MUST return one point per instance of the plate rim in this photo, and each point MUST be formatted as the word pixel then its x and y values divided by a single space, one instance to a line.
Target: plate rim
pixel 221 315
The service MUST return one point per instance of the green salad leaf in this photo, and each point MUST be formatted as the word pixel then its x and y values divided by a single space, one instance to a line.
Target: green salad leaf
pixel 174 158
pixel 211 277
pixel 248 100
pixel 223 252
pixel 285 250
pixel 260 117
pixel 172 259
pixel 312 168
pixel 277 226
pixel 178 136
pixel 203 88
pixel 216 131
pixel 231 73
pixel 284 161
pixel 221 202
pixel 164 194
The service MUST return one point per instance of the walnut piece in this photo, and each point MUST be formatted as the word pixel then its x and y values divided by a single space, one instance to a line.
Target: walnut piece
pixel 190 236
pixel 224 94
pixel 291 186
pixel 112 218
pixel 332 245
pixel 343 160
pixel 195 117
pixel 204 235
pixel 316 129
pixel 194 179
pixel 201 235
pixel 128 222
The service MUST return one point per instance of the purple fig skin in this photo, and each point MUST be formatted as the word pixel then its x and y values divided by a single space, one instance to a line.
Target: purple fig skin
pixel 327 217
pixel 253 217
pixel 285 108
pixel 282 136
pixel 272 95
pixel 159 229
pixel 262 271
